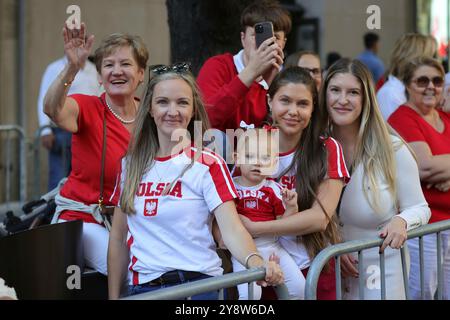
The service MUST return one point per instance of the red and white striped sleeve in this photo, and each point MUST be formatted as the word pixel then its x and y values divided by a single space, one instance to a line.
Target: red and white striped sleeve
pixel 218 186
pixel 276 198
pixel 336 162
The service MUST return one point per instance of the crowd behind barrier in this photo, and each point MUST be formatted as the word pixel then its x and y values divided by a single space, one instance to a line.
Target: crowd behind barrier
pixel 250 79
pixel 233 279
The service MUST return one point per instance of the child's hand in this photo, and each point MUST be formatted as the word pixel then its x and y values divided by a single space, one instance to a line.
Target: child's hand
pixel 289 198
pixel 443 186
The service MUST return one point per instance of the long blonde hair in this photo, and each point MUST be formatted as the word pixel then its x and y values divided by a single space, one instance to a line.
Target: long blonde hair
pixel 144 143
pixel 374 147
pixel 409 47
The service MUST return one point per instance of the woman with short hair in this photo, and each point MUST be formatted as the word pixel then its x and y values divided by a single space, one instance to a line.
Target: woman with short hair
pixel 101 128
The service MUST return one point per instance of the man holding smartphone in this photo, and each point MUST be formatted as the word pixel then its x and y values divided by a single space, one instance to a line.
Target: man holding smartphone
pixel 234 88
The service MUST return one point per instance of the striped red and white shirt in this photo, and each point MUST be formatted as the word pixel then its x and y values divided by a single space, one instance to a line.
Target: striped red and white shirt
pixel 336 170
pixel 174 231
pixel 262 202
pixel 336 165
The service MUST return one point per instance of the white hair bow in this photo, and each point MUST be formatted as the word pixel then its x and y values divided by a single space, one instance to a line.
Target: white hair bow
pixel 243 125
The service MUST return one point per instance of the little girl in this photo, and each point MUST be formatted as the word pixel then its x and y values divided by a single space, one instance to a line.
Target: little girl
pixel 261 199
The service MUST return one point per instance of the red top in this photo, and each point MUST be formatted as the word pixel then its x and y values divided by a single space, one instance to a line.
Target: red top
pixel 412 127
pixel 227 98
pixel 260 203
pixel 83 184
pixel 380 83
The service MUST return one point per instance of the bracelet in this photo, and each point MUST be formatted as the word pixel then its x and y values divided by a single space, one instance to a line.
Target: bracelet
pixel 251 255
pixel 66 84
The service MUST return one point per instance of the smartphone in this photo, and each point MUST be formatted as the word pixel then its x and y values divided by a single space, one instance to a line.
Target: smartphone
pixel 263 31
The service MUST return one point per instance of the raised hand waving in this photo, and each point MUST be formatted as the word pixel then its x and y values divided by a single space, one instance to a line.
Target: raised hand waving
pixel 77 46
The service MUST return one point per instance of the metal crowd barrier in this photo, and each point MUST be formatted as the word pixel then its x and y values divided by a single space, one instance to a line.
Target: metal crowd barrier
pixel 228 280
pixel 337 250
pixel 37 161
pixel 8 129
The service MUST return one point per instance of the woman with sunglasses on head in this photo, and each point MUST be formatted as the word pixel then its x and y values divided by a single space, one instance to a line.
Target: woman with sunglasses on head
pixel 383 198
pixel 120 61
pixel 170 189
pixel 427 130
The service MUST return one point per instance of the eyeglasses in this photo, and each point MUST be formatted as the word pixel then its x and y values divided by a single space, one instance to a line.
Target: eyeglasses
pixel 423 81
pixel 182 67
pixel 315 72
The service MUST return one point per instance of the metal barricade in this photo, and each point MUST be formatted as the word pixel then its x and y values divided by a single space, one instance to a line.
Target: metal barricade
pixel 8 129
pixel 211 284
pixel 337 250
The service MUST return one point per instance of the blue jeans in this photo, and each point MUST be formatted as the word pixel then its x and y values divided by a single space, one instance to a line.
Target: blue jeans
pixel 59 157
pixel 142 288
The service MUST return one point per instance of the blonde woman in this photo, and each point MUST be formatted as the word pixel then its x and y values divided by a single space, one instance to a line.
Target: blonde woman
pixel 411 45
pixel 384 198
pixel 171 190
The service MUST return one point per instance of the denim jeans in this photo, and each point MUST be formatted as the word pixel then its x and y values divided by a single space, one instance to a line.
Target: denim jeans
pixel 59 157
pixel 142 288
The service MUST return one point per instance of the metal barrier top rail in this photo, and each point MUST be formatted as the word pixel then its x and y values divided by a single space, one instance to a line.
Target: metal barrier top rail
pixel 356 245
pixel 209 284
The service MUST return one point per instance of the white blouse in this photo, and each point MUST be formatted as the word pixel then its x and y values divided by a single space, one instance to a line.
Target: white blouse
pixel 360 221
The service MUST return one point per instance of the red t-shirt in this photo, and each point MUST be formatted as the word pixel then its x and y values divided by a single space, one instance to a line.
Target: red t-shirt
pixel 412 127
pixel 228 100
pixel 260 203
pixel 380 83
pixel 83 183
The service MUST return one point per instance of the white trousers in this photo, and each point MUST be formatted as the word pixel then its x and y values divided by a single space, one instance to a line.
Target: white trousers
pixel 95 246
pixel 430 266
pixel 293 277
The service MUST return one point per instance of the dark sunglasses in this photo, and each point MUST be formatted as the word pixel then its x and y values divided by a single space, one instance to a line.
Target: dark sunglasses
pixel 423 81
pixel 182 67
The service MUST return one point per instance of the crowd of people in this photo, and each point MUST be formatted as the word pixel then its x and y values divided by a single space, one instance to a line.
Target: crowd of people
pixel 320 158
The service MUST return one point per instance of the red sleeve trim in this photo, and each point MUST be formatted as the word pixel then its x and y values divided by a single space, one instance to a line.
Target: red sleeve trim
pixel 337 168
pixel 220 175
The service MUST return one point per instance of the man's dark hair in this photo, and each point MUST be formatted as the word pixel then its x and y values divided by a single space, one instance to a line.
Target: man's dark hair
pixel 370 39
pixel 266 10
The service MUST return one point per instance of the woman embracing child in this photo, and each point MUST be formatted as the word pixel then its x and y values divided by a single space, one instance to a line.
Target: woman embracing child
pixel 262 199
pixel 312 164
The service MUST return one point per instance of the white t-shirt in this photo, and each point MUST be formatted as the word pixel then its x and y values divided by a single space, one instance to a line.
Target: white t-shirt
pixel 292 244
pixel 360 221
pixel 391 96
pixel 336 170
pixel 174 231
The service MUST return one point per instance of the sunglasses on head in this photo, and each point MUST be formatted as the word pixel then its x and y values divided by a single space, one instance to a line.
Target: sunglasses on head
pixel 423 81
pixel 182 67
